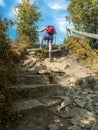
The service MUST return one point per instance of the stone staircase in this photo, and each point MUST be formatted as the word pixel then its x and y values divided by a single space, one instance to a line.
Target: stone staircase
pixel 46 97
pixel 37 89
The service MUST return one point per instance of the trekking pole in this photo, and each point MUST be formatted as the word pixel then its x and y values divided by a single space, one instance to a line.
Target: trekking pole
pixel 55 39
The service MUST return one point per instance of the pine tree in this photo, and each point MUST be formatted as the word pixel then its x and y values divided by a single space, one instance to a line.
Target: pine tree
pixel 26 18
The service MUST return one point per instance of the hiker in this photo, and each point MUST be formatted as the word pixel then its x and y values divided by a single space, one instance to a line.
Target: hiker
pixel 49 35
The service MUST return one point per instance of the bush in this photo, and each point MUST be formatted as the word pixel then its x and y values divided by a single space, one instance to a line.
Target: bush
pixel 84 53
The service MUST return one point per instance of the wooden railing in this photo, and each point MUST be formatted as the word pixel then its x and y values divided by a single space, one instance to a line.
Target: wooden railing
pixel 91 35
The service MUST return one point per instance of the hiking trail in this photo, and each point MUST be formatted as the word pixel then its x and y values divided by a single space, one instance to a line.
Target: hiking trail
pixel 57 95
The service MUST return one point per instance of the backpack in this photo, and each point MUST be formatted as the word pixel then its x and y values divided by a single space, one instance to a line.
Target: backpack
pixel 50 29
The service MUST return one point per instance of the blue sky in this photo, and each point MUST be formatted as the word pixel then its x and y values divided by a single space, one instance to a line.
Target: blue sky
pixel 53 12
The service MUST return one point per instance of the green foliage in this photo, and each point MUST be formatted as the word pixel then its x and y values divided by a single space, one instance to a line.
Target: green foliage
pixel 83 51
pixel 7 73
pixel 4 41
pixel 26 18
pixel 7 69
pixel 95 1
pixel 84 15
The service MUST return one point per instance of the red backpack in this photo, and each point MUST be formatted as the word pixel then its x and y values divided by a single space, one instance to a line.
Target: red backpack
pixel 50 29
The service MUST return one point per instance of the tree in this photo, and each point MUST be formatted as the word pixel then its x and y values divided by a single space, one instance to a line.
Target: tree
pixel 4 40
pixel 26 18
pixel 84 15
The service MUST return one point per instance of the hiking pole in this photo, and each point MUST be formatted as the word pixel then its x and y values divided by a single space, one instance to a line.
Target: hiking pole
pixel 55 39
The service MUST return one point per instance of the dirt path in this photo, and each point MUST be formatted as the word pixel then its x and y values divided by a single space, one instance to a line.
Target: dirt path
pixel 55 95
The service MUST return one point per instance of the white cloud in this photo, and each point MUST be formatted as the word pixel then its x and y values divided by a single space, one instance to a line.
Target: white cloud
pixel 2 3
pixel 62 24
pixel 13 11
pixel 31 1
pixel 19 1
pixel 57 5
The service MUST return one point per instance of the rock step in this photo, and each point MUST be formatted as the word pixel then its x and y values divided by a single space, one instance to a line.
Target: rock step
pixel 33 79
pixel 38 49
pixel 25 62
pixel 51 101
pixel 35 91
pixel 25 71
pixel 24 105
pixel 33 71
pixel 28 62
pixel 35 118
pixel 31 53
pixel 42 77
pixel 33 50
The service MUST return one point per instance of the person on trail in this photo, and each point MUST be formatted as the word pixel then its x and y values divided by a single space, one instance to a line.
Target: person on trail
pixel 49 36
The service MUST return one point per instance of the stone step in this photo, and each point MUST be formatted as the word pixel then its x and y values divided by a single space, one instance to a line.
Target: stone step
pixel 51 101
pixel 25 71
pixel 46 49
pixel 24 105
pixel 42 78
pixel 33 79
pixel 54 50
pixel 28 62
pixel 34 91
pixel 29 115
pixel 33 50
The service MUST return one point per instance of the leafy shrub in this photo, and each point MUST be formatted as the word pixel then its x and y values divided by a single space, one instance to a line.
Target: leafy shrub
pixel 81 48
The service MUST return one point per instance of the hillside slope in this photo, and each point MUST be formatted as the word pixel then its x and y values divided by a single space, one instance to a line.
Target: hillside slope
pixel 55 95
pixel 83 52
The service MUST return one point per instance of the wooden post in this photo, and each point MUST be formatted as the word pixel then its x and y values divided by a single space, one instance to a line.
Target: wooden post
pixel 68 32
